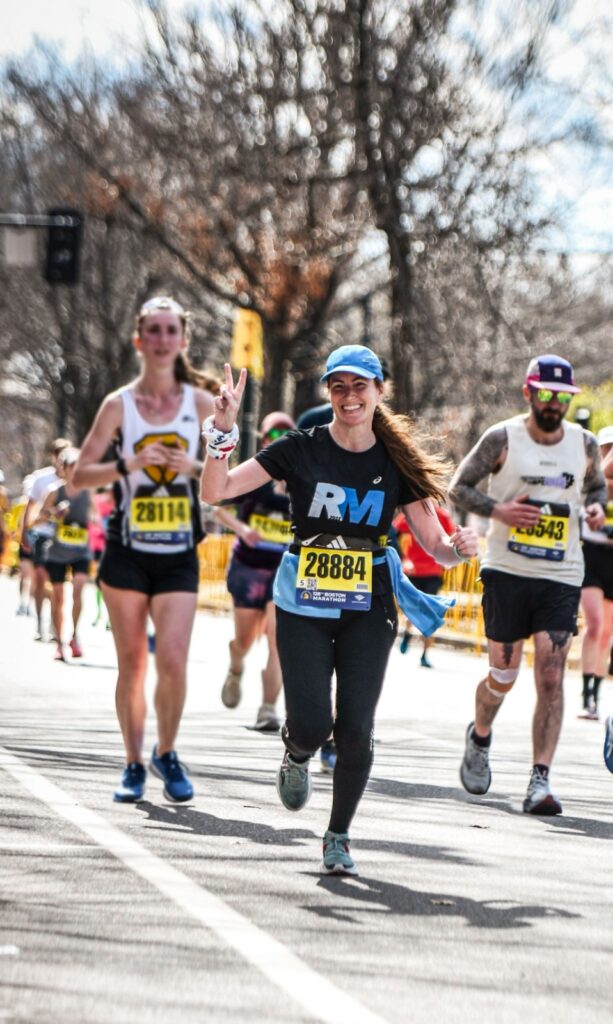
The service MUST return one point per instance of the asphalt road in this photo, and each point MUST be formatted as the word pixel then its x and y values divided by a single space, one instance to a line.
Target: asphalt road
pixel 216 911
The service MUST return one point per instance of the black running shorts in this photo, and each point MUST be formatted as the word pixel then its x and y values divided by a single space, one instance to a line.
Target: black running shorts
pixel 599 567
pixel 57 570
pixel 517 607
pixel 149 573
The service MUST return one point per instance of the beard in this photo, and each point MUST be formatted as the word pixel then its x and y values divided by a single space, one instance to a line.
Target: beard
pixel 548 419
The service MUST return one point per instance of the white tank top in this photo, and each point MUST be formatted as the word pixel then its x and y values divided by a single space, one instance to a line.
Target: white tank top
pixel 552 475
pixel 157 506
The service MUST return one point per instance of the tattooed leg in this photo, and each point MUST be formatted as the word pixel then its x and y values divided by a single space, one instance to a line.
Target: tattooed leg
pixel 492 691
pixel 550 651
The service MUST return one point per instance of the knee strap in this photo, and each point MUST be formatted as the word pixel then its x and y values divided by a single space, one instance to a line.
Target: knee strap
pixel 500 680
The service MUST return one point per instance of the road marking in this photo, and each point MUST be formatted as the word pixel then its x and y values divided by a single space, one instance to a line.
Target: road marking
pixel 9 950
pixel 322 1000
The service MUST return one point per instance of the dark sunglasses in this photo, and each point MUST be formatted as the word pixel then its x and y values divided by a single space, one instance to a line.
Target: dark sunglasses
pixel 546 395
pixel 277 432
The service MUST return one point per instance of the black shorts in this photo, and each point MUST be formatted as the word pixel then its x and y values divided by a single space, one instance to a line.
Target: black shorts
pixel 250 587
pixel 57 570
pixel 39 550
pixel 427 584
pixel 598 567
pixel 517 607
pixel 149 573
pixel 25 556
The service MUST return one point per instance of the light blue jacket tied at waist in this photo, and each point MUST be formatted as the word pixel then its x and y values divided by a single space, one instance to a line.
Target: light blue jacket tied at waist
pixel 426 611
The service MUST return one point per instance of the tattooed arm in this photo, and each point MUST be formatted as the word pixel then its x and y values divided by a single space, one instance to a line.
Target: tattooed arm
pixel 594 485
pixel 488 456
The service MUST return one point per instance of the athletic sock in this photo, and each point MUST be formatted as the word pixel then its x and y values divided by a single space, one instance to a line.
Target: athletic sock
pixel 587 679
pixel 596 688
pixel 481 741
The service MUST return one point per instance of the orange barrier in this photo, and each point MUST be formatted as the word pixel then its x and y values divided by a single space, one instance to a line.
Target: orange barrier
pixel 213 556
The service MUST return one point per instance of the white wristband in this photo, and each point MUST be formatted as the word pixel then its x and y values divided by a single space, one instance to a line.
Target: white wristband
pixel 220 444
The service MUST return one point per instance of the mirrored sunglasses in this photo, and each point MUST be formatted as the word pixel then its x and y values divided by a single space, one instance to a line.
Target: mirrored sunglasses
pixel 277 432
pixel 546 395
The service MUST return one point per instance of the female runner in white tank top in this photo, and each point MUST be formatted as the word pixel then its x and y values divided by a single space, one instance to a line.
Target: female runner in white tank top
pixel 150 566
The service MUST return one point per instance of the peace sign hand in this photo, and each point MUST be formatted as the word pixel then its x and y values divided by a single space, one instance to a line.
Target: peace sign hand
pixel 227 403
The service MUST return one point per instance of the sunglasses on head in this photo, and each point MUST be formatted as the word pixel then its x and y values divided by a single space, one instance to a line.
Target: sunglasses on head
pixel 277 432
pixel 546 395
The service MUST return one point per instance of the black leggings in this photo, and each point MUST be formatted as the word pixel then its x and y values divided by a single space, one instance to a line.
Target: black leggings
pixel 357 648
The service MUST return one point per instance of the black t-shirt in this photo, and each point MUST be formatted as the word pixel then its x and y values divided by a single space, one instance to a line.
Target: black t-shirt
pixel 336 492
pixel 261 502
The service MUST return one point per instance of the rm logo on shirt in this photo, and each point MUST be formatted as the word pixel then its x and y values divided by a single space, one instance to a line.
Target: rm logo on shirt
pixel 337 501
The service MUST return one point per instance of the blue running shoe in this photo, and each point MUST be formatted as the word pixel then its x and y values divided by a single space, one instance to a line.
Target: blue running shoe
pixel 337 856
pixel 169 769
pixel 404 643
pixel 294 783
pixel 608 743
pixel 327 756
pixel 131 789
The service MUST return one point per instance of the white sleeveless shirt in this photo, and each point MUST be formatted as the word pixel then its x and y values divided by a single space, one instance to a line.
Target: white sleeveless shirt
pixel 156 506
pixel 552 475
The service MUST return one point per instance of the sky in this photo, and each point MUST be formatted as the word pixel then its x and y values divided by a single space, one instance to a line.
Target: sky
pixel 583 183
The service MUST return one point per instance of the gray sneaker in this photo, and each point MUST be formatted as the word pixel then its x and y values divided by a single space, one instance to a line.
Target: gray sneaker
pixel 539 798
pixel 294 783
pixel 475 770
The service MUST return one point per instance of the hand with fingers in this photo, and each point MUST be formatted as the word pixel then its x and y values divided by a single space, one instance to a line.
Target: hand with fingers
pixel 464 542
pixel 227 402
pixel 517 512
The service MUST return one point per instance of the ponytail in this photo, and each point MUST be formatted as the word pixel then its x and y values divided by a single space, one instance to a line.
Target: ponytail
pixel 185 373
pixel 425 473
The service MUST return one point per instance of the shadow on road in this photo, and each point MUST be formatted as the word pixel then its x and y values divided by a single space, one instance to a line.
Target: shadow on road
pixel 188 819
pixel 418 791
pixel 375 897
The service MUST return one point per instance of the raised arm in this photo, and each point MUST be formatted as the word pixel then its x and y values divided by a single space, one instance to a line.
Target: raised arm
pixel 218 482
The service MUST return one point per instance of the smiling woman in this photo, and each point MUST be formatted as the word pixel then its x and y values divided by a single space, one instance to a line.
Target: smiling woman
pixel 149 567
pixel 334 590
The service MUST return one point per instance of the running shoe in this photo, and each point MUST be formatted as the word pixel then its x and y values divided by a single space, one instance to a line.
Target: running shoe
pixel 132 785
pixel 425 662
pixel 337 858
pixel 231 689
pixel 267 719
pixel 327 756
pixel 294 783
pixel 404 643
pixel 539 798
pixel 475 770
pixel 608 743
pixel 60 653
pixel 75 647
pixel 168 768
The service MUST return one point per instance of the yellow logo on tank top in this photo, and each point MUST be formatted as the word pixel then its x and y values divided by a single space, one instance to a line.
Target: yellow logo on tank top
pixel 161 475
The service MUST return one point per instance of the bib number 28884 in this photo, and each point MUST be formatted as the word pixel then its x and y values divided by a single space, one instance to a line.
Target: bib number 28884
pixel 339 579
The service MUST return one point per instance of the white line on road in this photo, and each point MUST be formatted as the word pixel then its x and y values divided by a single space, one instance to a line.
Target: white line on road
pixel 314 993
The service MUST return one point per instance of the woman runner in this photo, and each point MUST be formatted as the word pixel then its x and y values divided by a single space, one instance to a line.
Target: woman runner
pixel 69 508
pixel 150 566
pixel 334 591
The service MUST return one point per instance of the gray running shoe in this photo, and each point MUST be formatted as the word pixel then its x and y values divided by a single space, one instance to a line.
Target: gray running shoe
pixel 539 798
pixel 337 859
pixel 608 743
pixel 231 690
pixel 475 770
pixel 294 783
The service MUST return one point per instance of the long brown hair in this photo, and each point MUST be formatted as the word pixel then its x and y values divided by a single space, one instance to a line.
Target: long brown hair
pixel 426 473
pixel 186 373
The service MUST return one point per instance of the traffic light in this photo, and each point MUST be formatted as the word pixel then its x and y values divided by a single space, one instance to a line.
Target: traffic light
pixel 63 246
